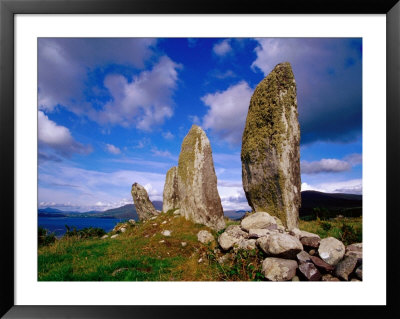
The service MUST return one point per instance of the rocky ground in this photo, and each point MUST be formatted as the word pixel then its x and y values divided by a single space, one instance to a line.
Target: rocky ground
pixel 291 255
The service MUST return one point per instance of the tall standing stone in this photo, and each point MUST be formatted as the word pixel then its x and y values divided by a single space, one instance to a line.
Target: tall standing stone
pixel 171 191
pixel 271 148
pixel 144 207
pixel 197 182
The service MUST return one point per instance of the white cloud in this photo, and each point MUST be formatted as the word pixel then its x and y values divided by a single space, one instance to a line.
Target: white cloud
pixel 168 135
pixel 161 153
pixel 84 188
pixel 113 149
pixel 227 112
pixel 222 48
pixel 325 165
pixel 353 186
pixel 58 137
pixel 144 102
pixel 63 64
pixel 331 165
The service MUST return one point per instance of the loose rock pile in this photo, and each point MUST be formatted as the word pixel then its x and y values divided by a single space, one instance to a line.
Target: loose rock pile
pixel 294 254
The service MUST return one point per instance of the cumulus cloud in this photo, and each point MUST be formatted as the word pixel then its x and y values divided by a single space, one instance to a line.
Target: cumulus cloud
pixel 227 112
pixel 58 137
pixel 222 48
pixel 113 149
pixel 144 102
pixel 325 165
pixel 328 74
pixel 63 64
pixel 331 165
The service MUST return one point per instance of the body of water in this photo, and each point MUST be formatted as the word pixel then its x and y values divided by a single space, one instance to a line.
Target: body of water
pixel 57 224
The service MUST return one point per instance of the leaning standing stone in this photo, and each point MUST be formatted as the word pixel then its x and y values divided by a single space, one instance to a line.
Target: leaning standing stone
pixel 276 269
pixel 144 207
pixel 197 182
pixel 271 148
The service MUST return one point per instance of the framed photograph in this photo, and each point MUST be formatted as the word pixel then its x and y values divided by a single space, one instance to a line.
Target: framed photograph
pixel 167 158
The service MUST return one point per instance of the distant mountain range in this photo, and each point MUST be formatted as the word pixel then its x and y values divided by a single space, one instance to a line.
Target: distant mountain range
pixel 124 212
pixel 335 203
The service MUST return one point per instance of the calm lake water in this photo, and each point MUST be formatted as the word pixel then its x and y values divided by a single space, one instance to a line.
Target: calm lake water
pixel 57 224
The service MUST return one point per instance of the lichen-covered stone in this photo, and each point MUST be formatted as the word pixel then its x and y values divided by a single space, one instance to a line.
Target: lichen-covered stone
pixel 331 250
pixel 231 236
pixel 171 191
pixel 144 207
pixel 205 237
pixel 277 269
pixel 271 148
pixel 346 267
pixel 197 182
pixel 257 220
pixel 280 245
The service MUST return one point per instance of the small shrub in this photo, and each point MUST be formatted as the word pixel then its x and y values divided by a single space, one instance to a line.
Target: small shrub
pixel 349 235
pixel 326 226
pixel 87 232
pixel 45 238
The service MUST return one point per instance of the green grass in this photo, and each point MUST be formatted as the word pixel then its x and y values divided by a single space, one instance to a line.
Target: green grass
pixel 348 230
pixel 138 255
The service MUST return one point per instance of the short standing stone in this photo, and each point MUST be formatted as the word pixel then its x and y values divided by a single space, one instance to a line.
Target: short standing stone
pixel 271 148
pixel 197 182
pixel 205 237
pixel 257 220
pixel 277 269
pixel 310 271
pixel 331 250
pixel 231 236
pixel 346 267
pixel 280 245
pixel 144 207
pixel 171 191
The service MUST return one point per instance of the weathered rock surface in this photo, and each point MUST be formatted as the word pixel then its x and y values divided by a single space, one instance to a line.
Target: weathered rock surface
pixel 231 236
pixel 246 244
pixel 280 245
pixel 310 271
pixel 346 267
pixel 258 220
pixel 205 237
pixel 331 250
pixel 355 250
pixel 257 233
pixel 197 182
pixel 271 148
pixel 144 207
pixel 303 257
pixel 312 242
pixel 329 277
pixel 277 269
pixel 358 272
pixel 321 264
pixel 171 191
pixel 132 222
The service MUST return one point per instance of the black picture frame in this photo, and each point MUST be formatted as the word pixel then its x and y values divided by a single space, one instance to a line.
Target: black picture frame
pixel 8 8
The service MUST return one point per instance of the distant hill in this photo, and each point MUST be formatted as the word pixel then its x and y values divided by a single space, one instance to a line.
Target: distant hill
pixel 124 212
pixel 234 214
pixel 331 204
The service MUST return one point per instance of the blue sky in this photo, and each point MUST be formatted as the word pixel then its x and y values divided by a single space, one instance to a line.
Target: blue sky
pixel 112 112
